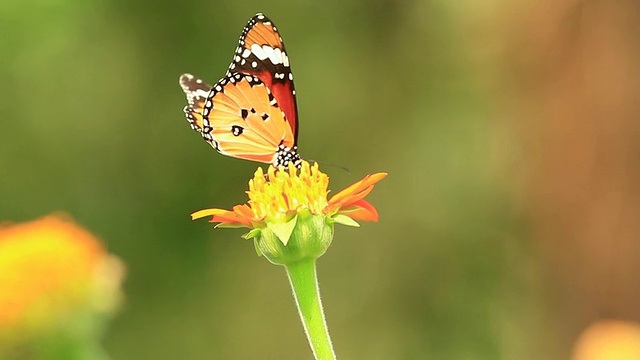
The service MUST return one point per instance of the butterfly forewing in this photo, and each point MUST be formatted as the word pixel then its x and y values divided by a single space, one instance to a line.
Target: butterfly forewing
pixel 197 92
pixel 195 89
pixel 261 52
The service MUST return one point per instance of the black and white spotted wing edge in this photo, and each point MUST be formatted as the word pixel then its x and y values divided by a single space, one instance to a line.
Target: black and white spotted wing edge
pixel 233 78
pixel 195 89
pixel 197 92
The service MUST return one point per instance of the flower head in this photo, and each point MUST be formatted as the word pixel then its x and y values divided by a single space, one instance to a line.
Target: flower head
pixel 53 274
pixel 289 200
pixel 276 196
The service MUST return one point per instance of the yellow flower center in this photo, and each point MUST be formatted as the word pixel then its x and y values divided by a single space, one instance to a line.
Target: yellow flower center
pixel 286 190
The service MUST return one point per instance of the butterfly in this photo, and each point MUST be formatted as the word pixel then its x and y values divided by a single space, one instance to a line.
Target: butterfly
pixel 251 113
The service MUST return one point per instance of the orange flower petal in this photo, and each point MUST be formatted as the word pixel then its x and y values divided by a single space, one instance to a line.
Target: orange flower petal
pixel 208 212
pixel 232 219
pixel 357 191
pixel 222 216
pixel 365 211
pixel 244 210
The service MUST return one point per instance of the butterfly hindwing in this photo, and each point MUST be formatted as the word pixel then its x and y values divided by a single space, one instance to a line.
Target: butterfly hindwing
pixel 261 52
pixel 241 118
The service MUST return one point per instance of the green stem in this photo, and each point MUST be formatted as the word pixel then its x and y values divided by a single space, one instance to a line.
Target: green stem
pixel 304 282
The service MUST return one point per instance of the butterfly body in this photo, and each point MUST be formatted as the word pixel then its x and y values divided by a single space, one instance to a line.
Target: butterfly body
pixel 250 113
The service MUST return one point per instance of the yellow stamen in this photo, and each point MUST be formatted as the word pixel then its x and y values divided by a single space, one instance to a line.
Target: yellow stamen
pixel 287 190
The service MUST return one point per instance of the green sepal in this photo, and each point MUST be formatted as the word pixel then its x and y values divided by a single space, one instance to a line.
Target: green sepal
pixel 349 209
pixel 345 220
pixel 257 246
pixel 230 226
pixel 344 210
pixel 283 230
pixel 251 234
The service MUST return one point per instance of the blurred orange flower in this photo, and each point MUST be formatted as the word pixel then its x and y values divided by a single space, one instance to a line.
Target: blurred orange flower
pixel 609 340
pixel 51 269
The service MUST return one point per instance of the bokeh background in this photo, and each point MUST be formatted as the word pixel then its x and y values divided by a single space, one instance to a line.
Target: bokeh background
pixel 509 221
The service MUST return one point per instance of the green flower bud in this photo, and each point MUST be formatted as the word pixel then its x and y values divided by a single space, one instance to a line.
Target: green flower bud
pixel 305 236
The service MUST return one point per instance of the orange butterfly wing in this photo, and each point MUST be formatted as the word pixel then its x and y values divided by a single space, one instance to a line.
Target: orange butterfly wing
pixel 261 52
pixel 241 118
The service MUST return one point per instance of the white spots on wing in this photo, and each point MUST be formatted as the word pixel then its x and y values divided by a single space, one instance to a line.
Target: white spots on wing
pixel 258 51
pixel 279 76
pixel 254 64
pixel 218 88
pixel 186 83
pixel 233 66
pixel 243 62
pixel 201 93
pixel 274 29
pixel 275 59
pixel 260 16
pixel 291 76
pixel 293 92
pixel 275 55
pixel 246 53
pixel 195 95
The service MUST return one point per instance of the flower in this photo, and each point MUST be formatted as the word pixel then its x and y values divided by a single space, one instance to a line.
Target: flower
pixel 289 201
pixel 54 275
pixel 609 340
pixel 281 193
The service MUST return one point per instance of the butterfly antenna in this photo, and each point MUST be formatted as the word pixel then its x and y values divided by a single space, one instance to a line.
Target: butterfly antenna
pixel 345 169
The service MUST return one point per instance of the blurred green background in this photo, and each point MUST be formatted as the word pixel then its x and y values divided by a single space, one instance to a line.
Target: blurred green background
pixel 509 132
